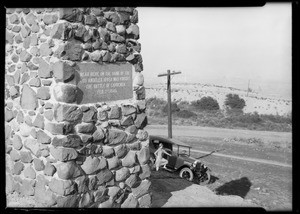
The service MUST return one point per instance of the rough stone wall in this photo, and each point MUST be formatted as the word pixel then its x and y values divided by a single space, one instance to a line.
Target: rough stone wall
pixel 62 153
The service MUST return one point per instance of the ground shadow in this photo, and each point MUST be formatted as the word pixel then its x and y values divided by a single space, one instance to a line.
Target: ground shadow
pixel 238 187
pixel 213 179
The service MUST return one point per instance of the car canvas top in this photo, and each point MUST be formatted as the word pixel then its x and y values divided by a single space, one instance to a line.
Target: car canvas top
pixel 170 140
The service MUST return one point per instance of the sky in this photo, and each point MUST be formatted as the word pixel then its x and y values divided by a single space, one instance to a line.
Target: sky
pixel 226 46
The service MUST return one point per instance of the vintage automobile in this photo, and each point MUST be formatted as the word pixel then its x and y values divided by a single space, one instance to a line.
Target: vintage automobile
pixel 180 160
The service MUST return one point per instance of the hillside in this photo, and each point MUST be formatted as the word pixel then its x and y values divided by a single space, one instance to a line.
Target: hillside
pixel 255 101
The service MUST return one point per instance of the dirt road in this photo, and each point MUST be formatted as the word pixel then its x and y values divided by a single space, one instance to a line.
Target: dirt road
pixel 197 131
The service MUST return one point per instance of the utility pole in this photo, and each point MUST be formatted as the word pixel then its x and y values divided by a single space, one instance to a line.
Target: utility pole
pixel 248 87
pixel 168 74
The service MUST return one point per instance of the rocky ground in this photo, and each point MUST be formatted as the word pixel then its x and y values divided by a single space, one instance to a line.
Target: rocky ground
pixel 168 190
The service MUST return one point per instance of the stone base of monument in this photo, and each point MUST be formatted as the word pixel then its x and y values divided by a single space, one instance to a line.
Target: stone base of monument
pixel 75 107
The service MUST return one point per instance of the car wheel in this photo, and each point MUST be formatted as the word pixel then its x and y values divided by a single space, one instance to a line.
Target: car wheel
pixel 205 178
pixel 186 173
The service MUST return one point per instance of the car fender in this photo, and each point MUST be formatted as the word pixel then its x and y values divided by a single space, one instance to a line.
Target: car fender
pixel 183 166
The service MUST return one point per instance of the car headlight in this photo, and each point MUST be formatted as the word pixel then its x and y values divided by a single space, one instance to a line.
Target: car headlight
pixel 195 163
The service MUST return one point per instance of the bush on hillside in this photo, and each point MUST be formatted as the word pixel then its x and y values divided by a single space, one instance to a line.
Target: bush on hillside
pixel 174 108
pixel 277 118
pixel 185 114
pixel 155 103
pixel 233 101
pixel 247 118
pixel 206 103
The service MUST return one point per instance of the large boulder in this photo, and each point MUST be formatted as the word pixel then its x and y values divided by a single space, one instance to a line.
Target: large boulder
pixel 32 145
pixel 27 187
pixel 130 159
pixel 98 135
pixel 141 121
pixel 42 137
pixel 43 93
pixel 141 189
pixel 18 168
pixel 103 176
pixel 93 164
pixel 114 113
pixel 70 113
pixel 14 155
pixel 131 180
pixel 63 154
pixel 45 70
pixel 71 14
pixel 38 164
pixel 85 128
pixel 145 172
pixel 130 202
pixel 107 151
pixel 68 170
pixel 49 169
pixel 122 174
pixel 128 110
pixel 58 128
pixel 82 183
pixel 9 186
pixel 86 199
pixel 28 98
pixel 70 201
pixel 29 173
pixel 116 137
pixel 26 157
pixel 121 150
pixel 62 187
pixel 17 142
pixel 39 121
pixel 73 51
pixel 113 162
pixel 143 155
pixel 63 72
pixel 145 201
pixel 66 93
pixel 70 141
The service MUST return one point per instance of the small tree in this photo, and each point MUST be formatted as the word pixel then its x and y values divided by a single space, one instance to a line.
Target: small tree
pixel 174 108
pixel 233 101
pixel 206 103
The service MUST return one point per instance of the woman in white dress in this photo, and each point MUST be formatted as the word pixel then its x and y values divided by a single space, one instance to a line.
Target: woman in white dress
pixel 160 161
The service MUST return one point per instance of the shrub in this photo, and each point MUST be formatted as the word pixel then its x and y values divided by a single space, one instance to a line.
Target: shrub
pixel 206 103
pixel 242 119
pixel 186 114
pixel 277 118
pixel 233 101
pixel 155 103
pixel 174 108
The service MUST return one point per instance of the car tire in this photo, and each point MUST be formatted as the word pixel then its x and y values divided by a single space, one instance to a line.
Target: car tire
pixel 206 178
pixel 186 173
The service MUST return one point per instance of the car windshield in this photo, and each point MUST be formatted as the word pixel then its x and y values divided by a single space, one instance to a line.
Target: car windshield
pixel 182 150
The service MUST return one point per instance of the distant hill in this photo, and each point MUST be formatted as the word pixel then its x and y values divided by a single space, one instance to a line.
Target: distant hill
pixel 255 99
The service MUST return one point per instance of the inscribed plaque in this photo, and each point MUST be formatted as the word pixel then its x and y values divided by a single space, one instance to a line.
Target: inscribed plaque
pixel 103 82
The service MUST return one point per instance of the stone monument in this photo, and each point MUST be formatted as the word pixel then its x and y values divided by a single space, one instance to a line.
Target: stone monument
pixel 75 107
